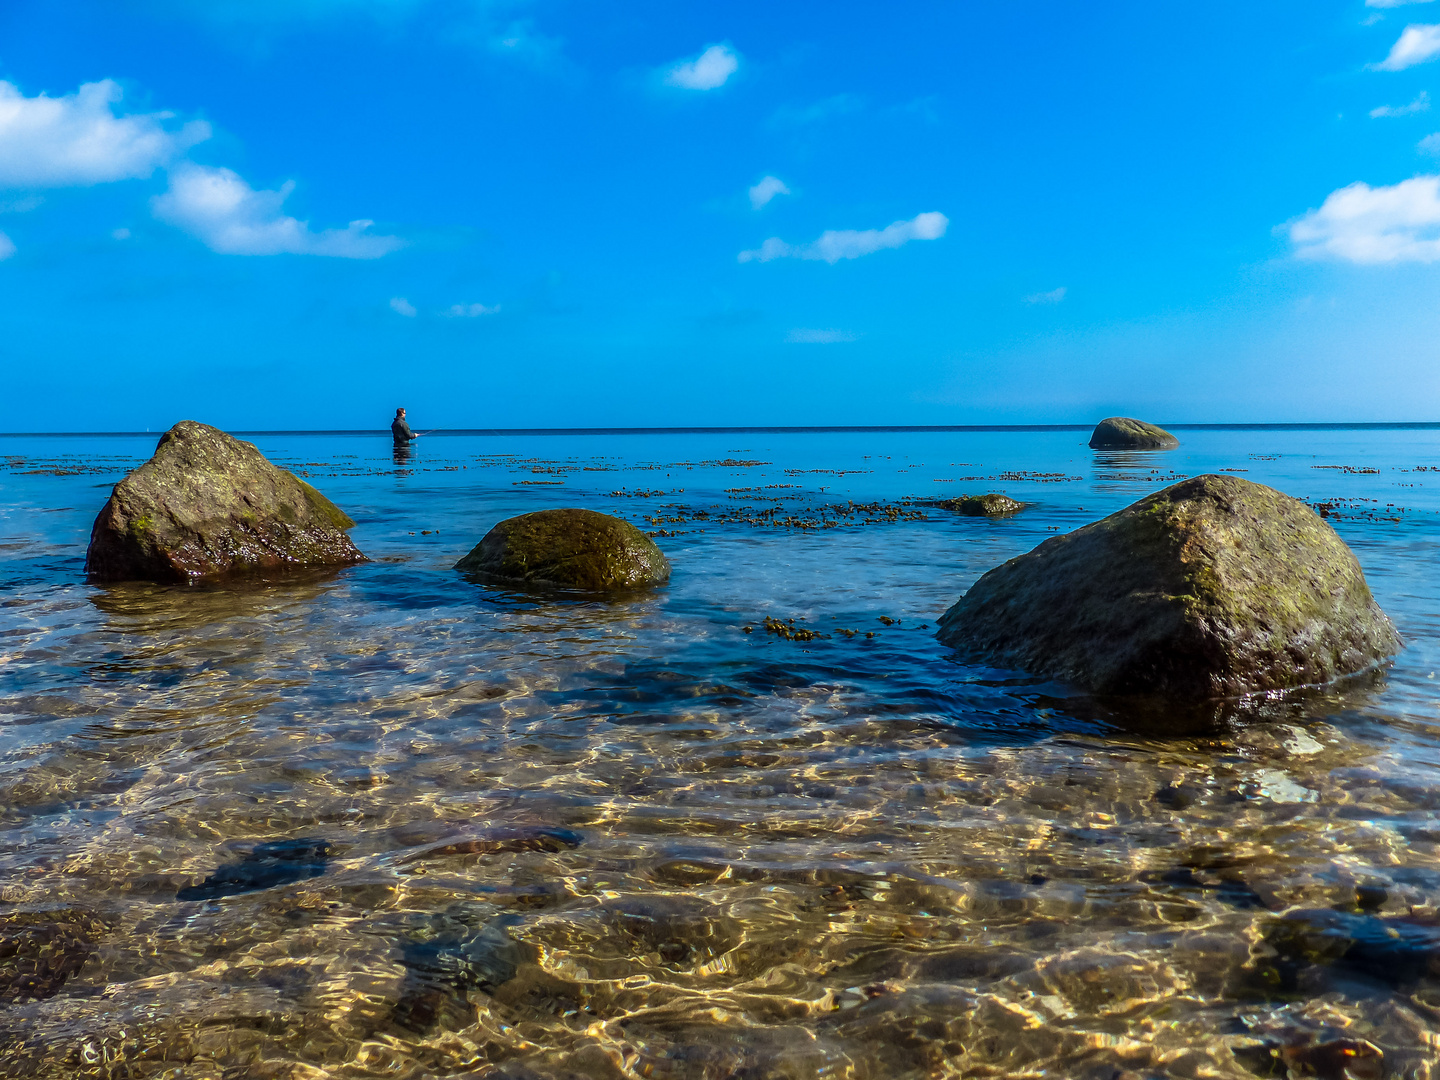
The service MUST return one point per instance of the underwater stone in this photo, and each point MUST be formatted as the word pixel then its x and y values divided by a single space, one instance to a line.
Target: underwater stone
pixel 1123 433
pixel 1213 587
pixel 281 862
pixel 40 950
pixel 577 549
pixel 206 505
pixel 992 505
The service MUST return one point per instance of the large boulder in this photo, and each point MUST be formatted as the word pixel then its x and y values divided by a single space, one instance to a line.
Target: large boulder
pixel 575 549
pixel 1213 587
pixel 1123 433
pixel 207 505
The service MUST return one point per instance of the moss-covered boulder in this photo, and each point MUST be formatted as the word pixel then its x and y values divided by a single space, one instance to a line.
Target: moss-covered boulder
pixel 1123 433
pixel 574 549
pixel 1213 587
pixel 206 505
pixel 993 505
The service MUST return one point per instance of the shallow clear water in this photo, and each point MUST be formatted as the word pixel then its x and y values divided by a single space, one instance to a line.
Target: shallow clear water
pixel 387 822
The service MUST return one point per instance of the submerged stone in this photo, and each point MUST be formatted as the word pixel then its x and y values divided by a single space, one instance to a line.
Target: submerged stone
pixel 282 862
pixel 1213 587
pixel 207 504
pixel 40 950
pixel 1396 950
pixel 993 505
pixel 576 549
pixel 1123 433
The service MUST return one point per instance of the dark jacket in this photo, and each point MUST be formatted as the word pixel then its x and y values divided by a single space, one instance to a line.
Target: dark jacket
pixel 401 430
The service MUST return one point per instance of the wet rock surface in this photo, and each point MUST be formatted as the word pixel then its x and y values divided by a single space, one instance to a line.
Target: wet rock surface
pixel 1213 587
pixel 1124 433
pixel 206 505
pixel 573 549
pixel 993 505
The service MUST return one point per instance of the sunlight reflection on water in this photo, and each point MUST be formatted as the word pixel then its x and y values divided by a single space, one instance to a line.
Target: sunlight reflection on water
pixel 389 822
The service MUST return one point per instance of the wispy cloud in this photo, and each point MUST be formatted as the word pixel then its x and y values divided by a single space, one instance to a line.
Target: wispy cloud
pixel 1420 104
pixel 470 311
pixel 1417 43
pixel 1054 296
pixel 802 336
pixel 229 216
pixel 1430 144
pixel 7 247
pixel 1364 224
pixel 77 140
pixel 836 244
pixel 707 71
pixel 824 109
pixel 767 189
pixel 1392 3
pixel 401 306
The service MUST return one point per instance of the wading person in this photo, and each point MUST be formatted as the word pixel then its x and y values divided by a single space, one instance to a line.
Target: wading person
pixel 401 430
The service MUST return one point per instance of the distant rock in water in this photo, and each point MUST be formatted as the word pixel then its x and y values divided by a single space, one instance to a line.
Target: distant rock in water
pixel 1123 433
pixel 206 505
pixel 575 549
pixel 981 505
pixel 1211 588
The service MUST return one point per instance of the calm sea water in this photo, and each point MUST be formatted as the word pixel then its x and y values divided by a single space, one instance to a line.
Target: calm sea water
pixel 386 822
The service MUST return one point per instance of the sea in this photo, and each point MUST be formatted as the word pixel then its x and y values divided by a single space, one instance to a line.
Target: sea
pixel 758 824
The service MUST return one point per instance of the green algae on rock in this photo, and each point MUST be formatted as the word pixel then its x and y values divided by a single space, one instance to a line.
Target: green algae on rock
pixel 1123 433
pixel 207 504
pixel 992 505
pixel 1213 587
pixel 575 549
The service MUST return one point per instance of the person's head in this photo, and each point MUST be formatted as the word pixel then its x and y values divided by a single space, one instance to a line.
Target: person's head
pixel 400 411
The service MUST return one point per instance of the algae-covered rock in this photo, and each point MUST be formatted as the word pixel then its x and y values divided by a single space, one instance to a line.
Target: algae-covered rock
pixel 993 505
pixel 1213 587
pixel 206 505
pixel 576 549
pixel 1123 433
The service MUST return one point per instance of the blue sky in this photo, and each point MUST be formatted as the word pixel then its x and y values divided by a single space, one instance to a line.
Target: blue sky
pixel 302 213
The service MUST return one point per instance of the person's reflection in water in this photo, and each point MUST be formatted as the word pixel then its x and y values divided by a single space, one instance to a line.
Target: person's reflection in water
pixel 402 454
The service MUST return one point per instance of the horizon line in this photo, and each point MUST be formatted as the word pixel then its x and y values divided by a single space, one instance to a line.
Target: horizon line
pixel 762 429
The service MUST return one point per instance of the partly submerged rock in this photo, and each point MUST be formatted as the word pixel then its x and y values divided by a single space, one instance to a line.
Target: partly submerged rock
pixel 993 505
pixel 206 505
pixel 1213 587
pixel 576 549
pixel 1123 433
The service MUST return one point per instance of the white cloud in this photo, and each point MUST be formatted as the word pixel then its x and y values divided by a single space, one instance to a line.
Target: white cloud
pixel 819 337
pixel 1054 296
pixel 1430 144
pixel 231 217
pixel 471 311
pixel 7 247
pixel 1361 224
pixel 77 140
pixel 1418 43
pixel 22 206
pixel 1420 104
pixel 800 115
pixel 401 306
pixel 766 190
pixel 1393 3
pixel 707 71
pixel 836 244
